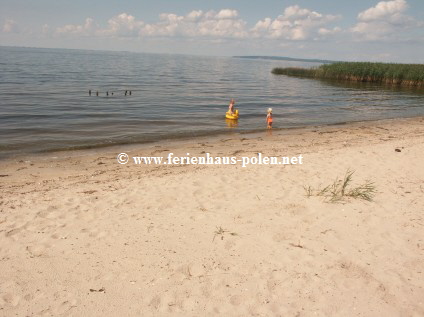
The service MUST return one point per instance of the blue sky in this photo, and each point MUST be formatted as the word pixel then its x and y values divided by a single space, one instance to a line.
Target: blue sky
pixel 391 30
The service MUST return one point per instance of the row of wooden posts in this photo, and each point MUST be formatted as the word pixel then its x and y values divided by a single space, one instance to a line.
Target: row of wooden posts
pixel 127 93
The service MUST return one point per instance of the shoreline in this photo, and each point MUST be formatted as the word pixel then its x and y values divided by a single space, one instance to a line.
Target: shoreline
pixel 84 235
pixel 107 149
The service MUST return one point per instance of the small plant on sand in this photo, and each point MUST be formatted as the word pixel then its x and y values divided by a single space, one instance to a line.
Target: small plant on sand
pixel 309 191
pixel 340 189
pixel 220 232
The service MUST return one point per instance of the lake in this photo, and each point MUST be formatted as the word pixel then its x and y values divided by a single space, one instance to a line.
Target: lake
pixel 45 103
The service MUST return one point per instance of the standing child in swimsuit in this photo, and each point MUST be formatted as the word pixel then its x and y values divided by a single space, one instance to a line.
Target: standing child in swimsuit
pixel 269 118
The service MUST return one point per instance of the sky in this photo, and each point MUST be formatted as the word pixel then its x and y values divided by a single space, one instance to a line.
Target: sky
pixel 361 30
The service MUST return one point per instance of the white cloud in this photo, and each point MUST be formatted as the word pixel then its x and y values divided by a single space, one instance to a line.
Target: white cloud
pixel 384 21
pixel 227 14
pixel 122 25
pixel 324 31
pixel 45 29
pixel 383 10
pixel 296 23
pixel 86 29
pixel 10 26
pixel 169 25
pixel 194 16
pixel 224 23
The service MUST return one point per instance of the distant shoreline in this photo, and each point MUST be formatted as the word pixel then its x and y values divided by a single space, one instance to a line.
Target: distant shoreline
pixel 291 59
pixel 385 73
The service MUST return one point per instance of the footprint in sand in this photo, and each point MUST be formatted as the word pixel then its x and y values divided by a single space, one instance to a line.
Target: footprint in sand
pixel 59 235
pixel 70 202
pixel 296 209
pixel 42 225
pixel 85 215
pixel 109 276
pixel 191 270
pixel 188 304
pixel 281 236
pixel 9 299
pixel 196 270
pixel 52 212
pixel 64 307
pixel 38 250
pixel 155 302
pixel 94 233
pixel 236 300
pixel 14 231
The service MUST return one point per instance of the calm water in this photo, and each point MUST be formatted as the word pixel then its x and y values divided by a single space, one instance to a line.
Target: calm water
pixel 45 105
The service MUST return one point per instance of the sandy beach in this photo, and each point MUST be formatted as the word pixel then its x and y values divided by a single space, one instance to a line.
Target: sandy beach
pixel 82 235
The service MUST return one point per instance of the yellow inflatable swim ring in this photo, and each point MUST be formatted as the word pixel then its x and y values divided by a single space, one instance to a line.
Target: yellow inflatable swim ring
pixel 233 116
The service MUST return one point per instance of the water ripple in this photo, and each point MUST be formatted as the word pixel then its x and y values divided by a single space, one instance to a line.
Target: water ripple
pixel 45 105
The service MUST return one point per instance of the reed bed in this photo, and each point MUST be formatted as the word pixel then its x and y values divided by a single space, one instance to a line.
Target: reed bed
pixel 397 74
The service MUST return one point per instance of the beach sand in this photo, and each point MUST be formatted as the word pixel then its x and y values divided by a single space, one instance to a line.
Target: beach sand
pixel 85 236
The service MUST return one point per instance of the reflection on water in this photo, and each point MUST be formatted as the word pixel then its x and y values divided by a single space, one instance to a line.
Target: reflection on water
pixel 45 104
pixel 367 86
pixel 231 123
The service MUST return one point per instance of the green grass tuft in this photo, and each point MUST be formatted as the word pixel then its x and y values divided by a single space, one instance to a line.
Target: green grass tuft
pixel 340 189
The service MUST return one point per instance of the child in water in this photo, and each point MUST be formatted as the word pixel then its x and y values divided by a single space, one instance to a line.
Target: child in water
pixel 269 118
pixel 231 106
